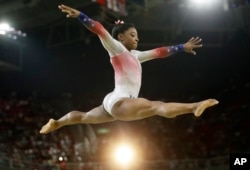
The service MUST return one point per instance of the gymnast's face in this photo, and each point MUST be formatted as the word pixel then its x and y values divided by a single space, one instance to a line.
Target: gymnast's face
pixel 129 38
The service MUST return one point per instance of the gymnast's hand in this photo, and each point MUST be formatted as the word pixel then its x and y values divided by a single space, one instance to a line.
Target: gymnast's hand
pixel 71 12
pixel 191 44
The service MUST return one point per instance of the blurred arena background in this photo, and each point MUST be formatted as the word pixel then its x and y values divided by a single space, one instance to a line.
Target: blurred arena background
pixel 50 65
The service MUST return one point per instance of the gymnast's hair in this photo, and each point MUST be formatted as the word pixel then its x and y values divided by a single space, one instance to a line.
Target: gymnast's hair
pixel 119 26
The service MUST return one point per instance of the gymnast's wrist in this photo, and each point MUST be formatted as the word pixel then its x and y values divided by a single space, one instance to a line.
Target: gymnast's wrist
pixel 81 16
pixel 180 47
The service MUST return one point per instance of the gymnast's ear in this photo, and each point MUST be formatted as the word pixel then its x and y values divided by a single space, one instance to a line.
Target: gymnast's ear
pixel 120 37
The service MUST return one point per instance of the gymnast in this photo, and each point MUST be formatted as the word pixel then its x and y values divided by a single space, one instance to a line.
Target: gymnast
pixel 123 102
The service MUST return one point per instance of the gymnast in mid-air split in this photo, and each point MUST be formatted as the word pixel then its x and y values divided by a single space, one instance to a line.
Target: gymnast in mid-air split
pixel 123 102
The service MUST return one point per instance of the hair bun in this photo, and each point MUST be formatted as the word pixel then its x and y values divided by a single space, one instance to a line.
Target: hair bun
pixel 118 22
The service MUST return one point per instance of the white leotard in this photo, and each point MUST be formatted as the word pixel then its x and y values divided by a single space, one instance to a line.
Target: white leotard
pixel 126 64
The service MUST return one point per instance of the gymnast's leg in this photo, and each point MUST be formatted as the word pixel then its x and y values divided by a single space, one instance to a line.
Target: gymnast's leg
pixel 139 108
pixel 96 115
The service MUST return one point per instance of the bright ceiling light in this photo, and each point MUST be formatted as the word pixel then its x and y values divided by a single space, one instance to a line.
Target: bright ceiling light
pixel 124 155
pixel 7 30
pixel 203 2
pixel 5 27
pixel 2 32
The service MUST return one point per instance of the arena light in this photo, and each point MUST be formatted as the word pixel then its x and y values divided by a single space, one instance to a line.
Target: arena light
pixel 202 3
pixel 7 30
pixel 124 155
pixel 2 32
pixel 5 27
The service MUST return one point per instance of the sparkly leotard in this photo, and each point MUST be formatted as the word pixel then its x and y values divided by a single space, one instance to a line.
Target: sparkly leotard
pixel 126 64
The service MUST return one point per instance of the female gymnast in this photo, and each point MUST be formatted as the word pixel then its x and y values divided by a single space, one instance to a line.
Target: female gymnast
pixel 123 102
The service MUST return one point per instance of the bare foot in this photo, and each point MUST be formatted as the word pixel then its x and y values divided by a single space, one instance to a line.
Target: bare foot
pixel 203 105
pixel 49 127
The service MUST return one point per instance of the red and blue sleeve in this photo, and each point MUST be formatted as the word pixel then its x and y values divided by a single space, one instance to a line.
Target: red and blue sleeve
pixel 160 52
pixel 110 44
pixel 94 26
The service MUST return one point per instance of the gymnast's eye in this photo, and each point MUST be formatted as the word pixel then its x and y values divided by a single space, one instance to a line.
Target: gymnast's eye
pixel 133 34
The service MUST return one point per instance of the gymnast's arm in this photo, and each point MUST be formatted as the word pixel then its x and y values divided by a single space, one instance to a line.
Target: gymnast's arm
pixel 166 51
pixel 109 43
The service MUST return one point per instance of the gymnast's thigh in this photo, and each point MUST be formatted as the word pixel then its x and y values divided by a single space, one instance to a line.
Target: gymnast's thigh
pixel 133 109
pixel 99 115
